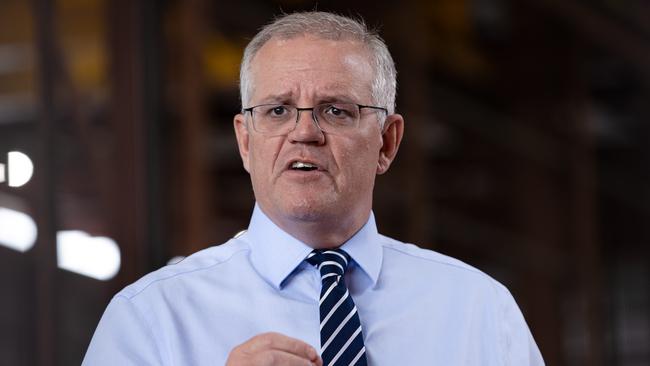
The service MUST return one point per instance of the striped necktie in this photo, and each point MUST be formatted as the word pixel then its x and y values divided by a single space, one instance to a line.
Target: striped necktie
pixel 340 330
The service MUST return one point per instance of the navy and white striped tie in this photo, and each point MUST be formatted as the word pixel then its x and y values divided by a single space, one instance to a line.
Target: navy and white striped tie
pixel 340 330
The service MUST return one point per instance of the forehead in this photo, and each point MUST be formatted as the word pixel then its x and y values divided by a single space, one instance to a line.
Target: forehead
pixel 311 67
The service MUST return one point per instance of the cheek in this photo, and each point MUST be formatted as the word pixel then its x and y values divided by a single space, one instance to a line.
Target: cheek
pixel 263 156
pixel 359 162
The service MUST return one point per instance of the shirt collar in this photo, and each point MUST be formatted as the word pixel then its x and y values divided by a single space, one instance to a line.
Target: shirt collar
pixel 365 249
pixel 275 254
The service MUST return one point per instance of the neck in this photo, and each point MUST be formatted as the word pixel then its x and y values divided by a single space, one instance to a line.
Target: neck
pixel 321 233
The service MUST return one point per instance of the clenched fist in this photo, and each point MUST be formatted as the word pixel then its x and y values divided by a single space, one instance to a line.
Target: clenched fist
pixel 269 349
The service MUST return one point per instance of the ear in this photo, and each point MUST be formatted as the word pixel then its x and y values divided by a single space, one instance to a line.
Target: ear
pixel 391 138
pixel 243 138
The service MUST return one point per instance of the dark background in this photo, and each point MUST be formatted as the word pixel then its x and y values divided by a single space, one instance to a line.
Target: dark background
pixel 526 153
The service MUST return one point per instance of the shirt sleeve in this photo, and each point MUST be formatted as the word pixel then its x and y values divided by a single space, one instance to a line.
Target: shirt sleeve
pixel 519 346
pixel 123 337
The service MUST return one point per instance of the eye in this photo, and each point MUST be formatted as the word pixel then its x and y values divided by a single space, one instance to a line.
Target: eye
pixel 335 111
pixel 339 111
pixel 277 111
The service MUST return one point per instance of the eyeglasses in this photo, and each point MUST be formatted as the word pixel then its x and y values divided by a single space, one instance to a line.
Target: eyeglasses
pixel 280 119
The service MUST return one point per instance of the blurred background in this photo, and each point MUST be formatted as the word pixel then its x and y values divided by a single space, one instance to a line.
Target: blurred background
pixel 526 154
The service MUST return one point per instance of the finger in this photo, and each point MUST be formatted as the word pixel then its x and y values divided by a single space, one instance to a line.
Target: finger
pixel 282 358
pixel 281 342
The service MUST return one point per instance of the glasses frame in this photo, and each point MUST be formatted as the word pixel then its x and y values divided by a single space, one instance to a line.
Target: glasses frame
pixel 312 109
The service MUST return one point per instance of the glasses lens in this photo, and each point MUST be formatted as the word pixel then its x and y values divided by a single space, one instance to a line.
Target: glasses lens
pixel 273 118
pixel 338 116
pixel 278 119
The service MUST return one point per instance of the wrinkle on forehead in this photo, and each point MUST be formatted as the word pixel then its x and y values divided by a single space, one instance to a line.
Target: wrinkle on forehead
pixel 310 67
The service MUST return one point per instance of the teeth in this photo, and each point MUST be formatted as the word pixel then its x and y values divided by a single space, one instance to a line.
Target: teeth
pixel 301 165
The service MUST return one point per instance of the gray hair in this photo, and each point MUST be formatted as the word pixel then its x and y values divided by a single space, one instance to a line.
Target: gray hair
pixel 331 27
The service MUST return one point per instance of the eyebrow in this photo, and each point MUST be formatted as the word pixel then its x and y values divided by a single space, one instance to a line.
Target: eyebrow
pixel 326 98
pixel 275 98
pixel 336 98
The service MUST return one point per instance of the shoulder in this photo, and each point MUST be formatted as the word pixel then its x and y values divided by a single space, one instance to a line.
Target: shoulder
pixel 467 291
pixel 197 264
pixel 431 264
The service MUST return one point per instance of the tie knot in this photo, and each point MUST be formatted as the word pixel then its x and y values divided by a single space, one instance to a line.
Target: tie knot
pixel 329 262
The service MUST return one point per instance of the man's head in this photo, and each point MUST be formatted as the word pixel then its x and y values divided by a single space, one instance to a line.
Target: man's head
pixel 311 175
pixel 331 27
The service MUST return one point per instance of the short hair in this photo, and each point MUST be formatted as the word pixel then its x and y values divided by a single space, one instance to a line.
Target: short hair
pixel 331 27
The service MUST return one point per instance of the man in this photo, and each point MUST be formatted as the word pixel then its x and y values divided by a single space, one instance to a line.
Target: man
pixel 312 282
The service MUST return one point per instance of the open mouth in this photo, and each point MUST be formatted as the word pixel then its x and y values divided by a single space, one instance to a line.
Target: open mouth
pixel 302 166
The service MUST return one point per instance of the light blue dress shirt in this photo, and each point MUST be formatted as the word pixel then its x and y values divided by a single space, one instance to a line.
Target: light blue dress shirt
pixel 416 307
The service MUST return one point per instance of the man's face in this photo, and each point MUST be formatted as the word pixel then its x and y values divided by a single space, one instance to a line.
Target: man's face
pixel 304 72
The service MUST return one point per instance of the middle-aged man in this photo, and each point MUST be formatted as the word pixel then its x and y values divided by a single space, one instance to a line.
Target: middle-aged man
pixel 312 282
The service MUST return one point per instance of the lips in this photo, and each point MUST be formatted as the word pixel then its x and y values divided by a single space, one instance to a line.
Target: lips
pixel 299 165
pixel 304 165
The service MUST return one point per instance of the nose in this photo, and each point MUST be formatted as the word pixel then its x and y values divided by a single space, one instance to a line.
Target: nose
pixel 307 129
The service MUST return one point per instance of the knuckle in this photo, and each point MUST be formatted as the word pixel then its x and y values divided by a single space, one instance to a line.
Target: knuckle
pixel 266 358
pixel 303 348
pixel 265 340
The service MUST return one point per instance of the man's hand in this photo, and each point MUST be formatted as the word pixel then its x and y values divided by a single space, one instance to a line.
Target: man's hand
pixel 269 349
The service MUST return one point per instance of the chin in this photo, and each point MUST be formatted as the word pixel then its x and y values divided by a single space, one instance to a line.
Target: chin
pixel 309 210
